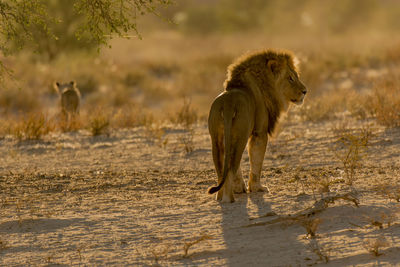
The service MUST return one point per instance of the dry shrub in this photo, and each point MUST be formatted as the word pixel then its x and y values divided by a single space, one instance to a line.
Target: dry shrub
pixel 33 126
pixel 374 246
pixel 154 131
pixel 296 178
pixel 310 224
pixel 350 149
pixel 99 123
pixel 321 181
pixel 380 219
pixel 160 253
pixel 385 101
pixel 187 140
pixel 186 115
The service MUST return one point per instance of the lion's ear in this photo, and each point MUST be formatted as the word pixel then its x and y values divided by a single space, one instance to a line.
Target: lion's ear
pixel 274 66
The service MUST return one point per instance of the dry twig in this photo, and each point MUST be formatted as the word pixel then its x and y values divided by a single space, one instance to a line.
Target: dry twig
pixel 318 207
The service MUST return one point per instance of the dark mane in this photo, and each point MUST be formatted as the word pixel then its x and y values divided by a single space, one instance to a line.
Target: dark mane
pixel 256 63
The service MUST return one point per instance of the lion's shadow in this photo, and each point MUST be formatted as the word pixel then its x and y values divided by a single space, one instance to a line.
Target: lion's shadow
pixel 253 246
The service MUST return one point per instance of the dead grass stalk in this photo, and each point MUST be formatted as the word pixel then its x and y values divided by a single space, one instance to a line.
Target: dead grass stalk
pixel 196 240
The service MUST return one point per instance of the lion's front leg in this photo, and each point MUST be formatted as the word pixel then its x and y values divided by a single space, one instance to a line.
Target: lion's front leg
pixel 257 147
pixel 238 183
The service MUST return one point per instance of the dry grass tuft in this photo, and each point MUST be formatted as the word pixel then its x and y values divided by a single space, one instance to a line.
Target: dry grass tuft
pixel 5 127
pixel 159 253
pixel 385 101
pixel 379 220
pixel 32 127
pixel 99 123
pixel 374 246
pixel 296 178
pixel 74 123
pixel 322 181
pixel 187 140
pixel 154 132
pixel 186 115
pixel 310 224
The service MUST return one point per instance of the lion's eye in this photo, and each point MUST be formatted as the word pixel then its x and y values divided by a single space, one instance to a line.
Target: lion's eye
pixel 291 79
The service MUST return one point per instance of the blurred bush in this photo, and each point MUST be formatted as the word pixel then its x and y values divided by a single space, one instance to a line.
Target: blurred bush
pixel 63 31
pixel 329 16
pixel 50 27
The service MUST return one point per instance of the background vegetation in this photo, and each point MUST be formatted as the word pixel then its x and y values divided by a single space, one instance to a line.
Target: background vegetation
pixel 349 50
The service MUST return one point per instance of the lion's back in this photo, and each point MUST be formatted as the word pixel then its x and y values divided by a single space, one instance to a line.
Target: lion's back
pixel 70 100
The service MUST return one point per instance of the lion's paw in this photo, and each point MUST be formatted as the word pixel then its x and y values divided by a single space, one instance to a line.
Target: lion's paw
pixel 239 187
pixel 258 188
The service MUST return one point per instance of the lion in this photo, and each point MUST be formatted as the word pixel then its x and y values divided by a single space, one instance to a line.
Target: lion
pixel 260 86
pixel 70 98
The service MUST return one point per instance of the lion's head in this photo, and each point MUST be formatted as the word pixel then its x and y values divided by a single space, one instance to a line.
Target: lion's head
pixel 286 79
pixel 62 87
pixel 275 74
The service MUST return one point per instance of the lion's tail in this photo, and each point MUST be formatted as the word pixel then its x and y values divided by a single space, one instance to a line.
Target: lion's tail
pixel 229 114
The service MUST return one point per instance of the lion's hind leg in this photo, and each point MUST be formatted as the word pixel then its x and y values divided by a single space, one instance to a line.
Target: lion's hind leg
pixel 238 183
pixel 218 157
pixel 234 172
pixel 234 180
pixel 216 129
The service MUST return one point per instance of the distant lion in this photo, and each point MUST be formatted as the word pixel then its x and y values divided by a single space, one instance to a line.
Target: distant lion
pixel 70 98
pixel 259 87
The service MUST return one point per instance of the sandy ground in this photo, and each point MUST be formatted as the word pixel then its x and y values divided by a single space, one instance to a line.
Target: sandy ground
pixel 129 200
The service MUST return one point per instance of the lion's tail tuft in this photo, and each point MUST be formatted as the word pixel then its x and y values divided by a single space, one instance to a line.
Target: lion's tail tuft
pixel 214 189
